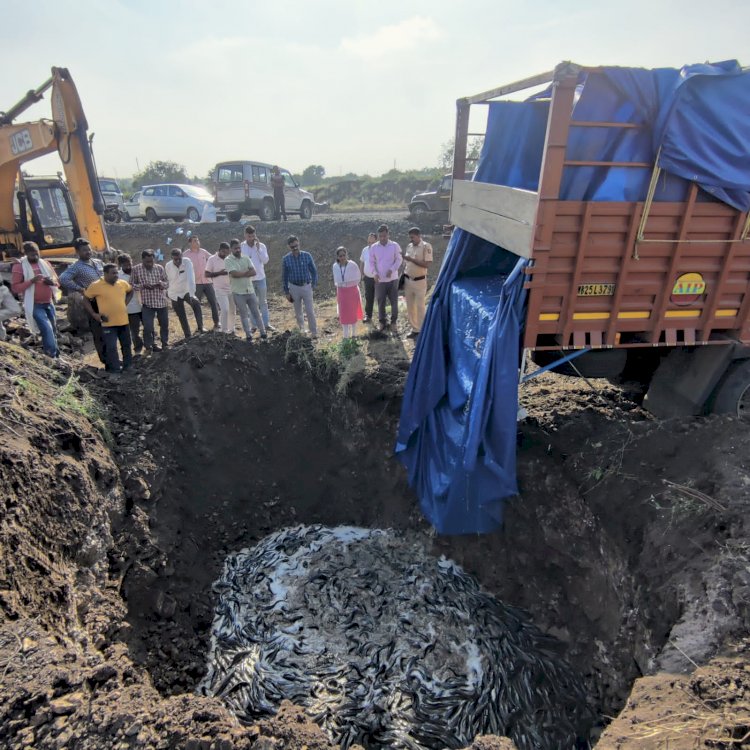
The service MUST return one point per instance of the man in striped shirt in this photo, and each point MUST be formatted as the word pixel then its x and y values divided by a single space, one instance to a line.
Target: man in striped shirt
pixel 300 277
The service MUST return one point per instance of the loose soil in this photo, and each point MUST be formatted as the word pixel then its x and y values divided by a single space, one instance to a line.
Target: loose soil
pixel 629 542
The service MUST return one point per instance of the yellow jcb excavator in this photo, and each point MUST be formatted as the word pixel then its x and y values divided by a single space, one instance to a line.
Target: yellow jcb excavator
pixel 49 210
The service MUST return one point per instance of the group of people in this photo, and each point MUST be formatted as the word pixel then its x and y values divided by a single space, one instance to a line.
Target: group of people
pixel 122 299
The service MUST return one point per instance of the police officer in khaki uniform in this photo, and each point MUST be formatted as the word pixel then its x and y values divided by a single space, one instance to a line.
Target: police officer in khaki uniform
pixel 418 259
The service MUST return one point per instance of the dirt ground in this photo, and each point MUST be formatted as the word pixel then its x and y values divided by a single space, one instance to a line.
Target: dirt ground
pixel 629 542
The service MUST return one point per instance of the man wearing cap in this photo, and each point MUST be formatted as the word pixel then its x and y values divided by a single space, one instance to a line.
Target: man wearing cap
pixel 418 259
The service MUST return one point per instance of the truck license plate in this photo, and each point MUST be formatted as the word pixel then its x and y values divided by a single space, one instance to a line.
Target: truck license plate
pixel 596 290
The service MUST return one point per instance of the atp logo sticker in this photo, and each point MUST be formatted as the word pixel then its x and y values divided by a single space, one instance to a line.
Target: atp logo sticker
pixel 687 289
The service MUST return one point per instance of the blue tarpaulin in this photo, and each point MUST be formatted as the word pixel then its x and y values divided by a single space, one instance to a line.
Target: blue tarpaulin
pixel 462 389
pixel 458 421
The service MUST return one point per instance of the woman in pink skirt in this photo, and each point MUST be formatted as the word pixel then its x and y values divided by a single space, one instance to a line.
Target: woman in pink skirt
pixel 346 276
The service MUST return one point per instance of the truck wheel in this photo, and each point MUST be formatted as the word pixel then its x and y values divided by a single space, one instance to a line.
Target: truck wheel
pixel 732 395
pixel 234 215
pixel 151 215
pixel 305 210
pixel 419 211
pixel 267 211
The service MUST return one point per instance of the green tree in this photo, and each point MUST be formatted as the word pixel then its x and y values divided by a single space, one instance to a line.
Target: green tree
pixel 161 171
pixel 473 149
pixel 313 175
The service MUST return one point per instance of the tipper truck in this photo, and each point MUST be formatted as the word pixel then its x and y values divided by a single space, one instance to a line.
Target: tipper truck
pixel 643 269
pixel 606 232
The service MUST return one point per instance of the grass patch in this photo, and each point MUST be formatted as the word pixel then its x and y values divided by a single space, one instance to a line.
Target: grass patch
pixel 334 363
pixel 75 399
pixel 24 385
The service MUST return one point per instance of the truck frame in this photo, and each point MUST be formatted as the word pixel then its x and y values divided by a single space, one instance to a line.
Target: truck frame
pixel 652 291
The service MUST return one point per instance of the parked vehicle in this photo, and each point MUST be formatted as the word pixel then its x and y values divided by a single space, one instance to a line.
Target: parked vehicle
pixel 171 201
pixel 638 255
pixel 244 188
pixel 607 229
pixel 131 208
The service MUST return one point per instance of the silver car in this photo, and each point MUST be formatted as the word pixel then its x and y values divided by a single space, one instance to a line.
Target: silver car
pixel 170 201
pixel 132 208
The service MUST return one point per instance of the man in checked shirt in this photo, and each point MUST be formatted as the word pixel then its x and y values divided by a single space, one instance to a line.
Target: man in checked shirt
pixel 300 277
pixel 150 279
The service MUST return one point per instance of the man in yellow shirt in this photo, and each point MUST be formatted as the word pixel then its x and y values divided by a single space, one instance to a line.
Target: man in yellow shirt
pixel 112 295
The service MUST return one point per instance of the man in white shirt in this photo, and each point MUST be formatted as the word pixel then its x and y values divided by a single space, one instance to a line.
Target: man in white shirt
pixel 369 276
pixel 258 254
pixel 182 289
pixel 125 264
pixel 217 272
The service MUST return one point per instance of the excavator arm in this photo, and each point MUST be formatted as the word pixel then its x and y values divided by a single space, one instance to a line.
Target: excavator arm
pixel 67 134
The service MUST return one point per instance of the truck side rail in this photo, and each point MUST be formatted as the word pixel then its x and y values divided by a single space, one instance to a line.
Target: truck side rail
pixel 609 273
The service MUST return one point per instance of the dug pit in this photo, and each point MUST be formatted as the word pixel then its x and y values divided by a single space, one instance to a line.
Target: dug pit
pixel 628 545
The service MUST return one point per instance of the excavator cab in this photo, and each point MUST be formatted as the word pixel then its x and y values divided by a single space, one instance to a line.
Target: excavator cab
pixel 45 213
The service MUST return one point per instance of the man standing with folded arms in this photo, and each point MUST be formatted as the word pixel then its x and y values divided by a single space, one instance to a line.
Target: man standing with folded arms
pixel 241 271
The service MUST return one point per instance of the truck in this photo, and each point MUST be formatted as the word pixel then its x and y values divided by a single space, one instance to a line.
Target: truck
pixel 606 231
pixel 648 285
pixel 49 210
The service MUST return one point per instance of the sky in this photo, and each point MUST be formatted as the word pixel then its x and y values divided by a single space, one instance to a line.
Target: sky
pixel 354 86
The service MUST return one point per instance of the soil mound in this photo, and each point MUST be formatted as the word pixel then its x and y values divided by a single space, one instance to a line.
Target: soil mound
pixel 121 501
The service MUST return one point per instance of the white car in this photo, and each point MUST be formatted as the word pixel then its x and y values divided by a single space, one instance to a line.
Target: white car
pixel 131 208
pixel 172 201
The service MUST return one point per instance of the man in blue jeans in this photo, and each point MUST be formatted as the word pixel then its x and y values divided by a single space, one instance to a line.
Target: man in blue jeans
pixel 36 284
pixel 112 295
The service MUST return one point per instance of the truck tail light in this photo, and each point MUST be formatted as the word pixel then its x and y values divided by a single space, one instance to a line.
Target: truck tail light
pixel 247 189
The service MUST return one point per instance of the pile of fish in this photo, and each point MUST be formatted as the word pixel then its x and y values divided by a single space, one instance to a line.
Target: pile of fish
pixel 384 645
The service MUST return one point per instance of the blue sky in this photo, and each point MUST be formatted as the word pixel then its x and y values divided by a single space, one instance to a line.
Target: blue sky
pixel 354 86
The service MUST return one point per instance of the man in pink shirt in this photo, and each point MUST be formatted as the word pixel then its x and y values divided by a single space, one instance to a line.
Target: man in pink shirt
pixel 35 283
pixel 385 258
pixel 203 285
